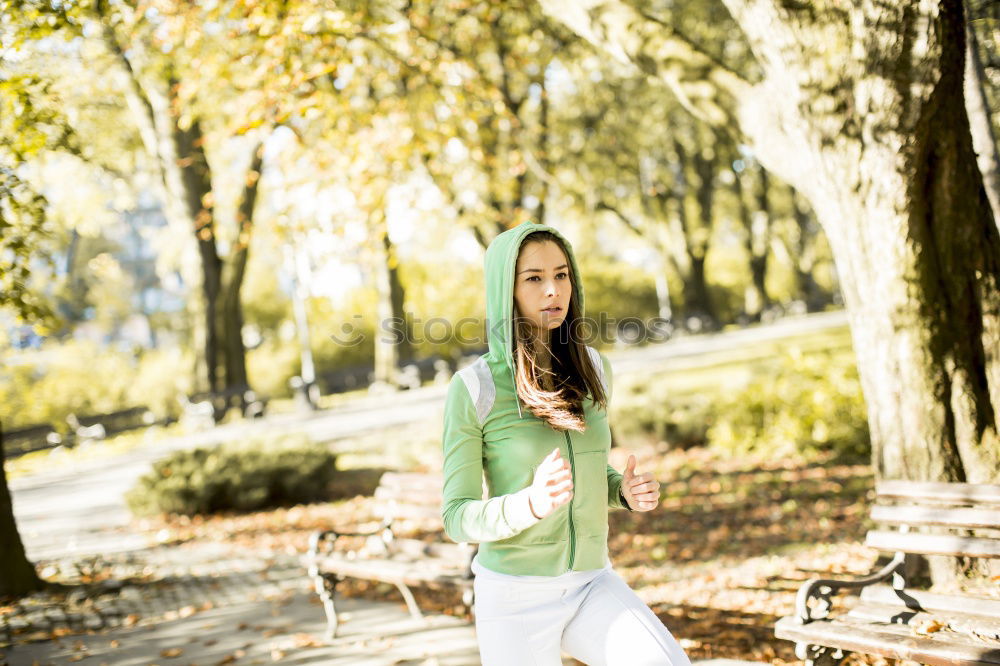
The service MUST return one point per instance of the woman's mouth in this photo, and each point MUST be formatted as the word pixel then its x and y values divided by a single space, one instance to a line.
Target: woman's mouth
pixel 552 310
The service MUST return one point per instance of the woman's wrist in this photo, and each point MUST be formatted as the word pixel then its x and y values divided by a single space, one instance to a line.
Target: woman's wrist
pixel 621 496
pixel 531 508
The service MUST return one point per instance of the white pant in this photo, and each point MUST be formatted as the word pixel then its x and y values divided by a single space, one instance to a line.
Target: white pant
pixel 592 615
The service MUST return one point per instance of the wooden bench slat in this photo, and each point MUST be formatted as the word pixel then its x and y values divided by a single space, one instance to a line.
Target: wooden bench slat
pixel 964 623
pixel 952 492
pixel 452 552
pixel 932 601
pixel 933 544
pixel 920 515
pixel 428 572
pixel 407 511
pixel 412 481
pixel 939 649
pixel 409 495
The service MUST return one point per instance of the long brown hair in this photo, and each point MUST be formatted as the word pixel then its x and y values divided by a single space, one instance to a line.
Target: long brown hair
pixel 573 376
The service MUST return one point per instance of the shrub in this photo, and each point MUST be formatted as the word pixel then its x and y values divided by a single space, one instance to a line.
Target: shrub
pixel 794 405
pixel 235 476
pixel 803 404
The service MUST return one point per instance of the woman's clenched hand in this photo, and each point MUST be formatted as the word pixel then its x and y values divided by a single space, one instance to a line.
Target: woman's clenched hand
pixel 641 491
pixel 552 486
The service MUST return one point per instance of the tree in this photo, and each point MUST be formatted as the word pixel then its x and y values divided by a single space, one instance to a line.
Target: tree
pixel 861 109
pixel 22 224
pixel 23 231
pixel 173 135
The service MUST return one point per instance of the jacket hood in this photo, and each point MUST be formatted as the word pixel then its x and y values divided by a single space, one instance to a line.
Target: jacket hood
pixel 500 262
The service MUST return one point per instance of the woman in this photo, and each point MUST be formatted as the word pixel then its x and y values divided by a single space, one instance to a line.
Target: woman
pixel 531 415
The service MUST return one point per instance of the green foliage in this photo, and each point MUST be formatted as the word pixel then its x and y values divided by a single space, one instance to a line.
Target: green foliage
pixel 441 309
pixel 81 378
pixel 22 230
pixel 264 304
pixel 240 476
pixel 796 406
pixel 617 289
pixel 160 378
pixel 803 404
pixel 271 365
pixel 344 335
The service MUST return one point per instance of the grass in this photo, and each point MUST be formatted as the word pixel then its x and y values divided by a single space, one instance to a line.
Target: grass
pixel 48 459
pixel 717 372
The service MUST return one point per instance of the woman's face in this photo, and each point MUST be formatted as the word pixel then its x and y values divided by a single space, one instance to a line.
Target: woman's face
pixel 542 282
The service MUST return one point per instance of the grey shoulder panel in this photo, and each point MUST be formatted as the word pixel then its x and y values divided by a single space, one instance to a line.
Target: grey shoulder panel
pixel 479 381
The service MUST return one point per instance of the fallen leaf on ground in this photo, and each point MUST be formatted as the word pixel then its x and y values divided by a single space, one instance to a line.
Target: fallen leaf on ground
pixel 926 627
pixel 302 640
pixel 170 653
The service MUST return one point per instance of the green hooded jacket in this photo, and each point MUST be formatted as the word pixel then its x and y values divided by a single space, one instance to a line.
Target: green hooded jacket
pixel 486 431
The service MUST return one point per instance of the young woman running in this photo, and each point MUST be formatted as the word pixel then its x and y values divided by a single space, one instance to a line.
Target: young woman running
pixel 531 416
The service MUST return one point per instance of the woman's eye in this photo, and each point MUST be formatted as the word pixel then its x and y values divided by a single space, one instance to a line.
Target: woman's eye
pixel 562 276
pixel 533 277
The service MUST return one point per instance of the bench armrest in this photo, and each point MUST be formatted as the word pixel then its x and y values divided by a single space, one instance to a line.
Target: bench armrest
pixel 823 588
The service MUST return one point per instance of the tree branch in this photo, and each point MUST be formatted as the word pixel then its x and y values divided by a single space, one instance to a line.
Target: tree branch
pixel 603 205
pixel 661 50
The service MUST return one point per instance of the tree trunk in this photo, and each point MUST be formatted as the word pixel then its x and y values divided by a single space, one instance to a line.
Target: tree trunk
pixel 896 187
pixel 393 343
pixel 803 254
pixel 19 577
pixel 697 300
pixel 195 193
pixel 757 225
pixel 234 351
pixel 984 140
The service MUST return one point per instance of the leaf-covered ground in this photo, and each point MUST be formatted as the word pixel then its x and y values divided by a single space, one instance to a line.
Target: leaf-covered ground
pixel 719 561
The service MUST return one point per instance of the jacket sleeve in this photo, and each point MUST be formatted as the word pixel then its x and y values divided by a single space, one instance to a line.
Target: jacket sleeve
pixel 466 516
pixel 614 476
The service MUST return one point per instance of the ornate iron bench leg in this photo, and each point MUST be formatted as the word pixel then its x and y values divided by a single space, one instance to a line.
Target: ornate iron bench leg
pixel 326 588
pixel 469 598
pixel 324 584
pixel 818 655
pixel 411 603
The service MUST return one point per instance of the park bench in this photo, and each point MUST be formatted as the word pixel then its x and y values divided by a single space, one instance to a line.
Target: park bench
pixel 213 405
pixel 894 620
pixel 385 557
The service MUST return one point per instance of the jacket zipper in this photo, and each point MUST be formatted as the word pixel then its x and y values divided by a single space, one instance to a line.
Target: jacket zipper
pixel 572 529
